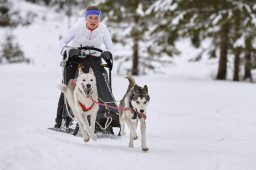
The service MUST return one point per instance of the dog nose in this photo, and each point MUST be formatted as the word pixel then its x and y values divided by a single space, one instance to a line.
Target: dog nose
pixel 141 110
pixel 88 86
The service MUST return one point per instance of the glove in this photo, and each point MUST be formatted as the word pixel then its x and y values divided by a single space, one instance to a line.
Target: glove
pixel 64 55
pixel 107 56
pixel 63 50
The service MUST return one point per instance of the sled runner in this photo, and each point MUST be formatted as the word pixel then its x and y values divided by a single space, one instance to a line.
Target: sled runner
pixel 107 115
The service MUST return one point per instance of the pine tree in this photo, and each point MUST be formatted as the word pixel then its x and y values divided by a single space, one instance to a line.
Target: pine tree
pixel 10 17
pixel 45 2
pixel 130 15
pixel 4 13
pixel 11 51
pixel 224 22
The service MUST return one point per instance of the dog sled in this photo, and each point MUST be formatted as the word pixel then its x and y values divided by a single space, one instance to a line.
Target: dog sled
pixel 107 115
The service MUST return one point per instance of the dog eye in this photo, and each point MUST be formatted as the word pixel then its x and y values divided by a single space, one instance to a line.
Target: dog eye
pixel 84 80
pixel 137 102
pixel 91 79
pixel 144 102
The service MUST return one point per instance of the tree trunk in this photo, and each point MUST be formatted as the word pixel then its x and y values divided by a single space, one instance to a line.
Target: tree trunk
pixel 236 64
pixel 222 70
pixel 135 59
pixel 248 66
pixel 237 50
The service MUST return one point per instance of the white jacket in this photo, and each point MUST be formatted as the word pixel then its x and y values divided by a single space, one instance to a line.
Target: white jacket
pixel 79 35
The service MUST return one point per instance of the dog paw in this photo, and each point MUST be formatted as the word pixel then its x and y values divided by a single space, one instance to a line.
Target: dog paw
pixel 131 144
pixel 145 149
pixel 94 137
pixel 86 140
pixel 134 136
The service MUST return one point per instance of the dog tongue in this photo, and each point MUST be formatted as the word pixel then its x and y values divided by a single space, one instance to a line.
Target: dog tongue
pixel 84 88
pixel 88 92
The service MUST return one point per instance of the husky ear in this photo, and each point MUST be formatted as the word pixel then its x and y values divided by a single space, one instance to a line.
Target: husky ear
pixel 80 70
pixel 148 98
pixel 136 88
pixel 145 89
pixel 91 71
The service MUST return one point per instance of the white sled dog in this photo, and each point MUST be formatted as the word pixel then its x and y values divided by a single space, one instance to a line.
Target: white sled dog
pixel 81 95
pixel 135 101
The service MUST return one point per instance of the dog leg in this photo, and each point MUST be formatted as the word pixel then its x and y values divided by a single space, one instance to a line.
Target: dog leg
pixel 134 126
pixel 93 120
pixel 81 128
pixel 143 135
pixel 131 141
pixel 122 125
pixel 86 127
pixel 132 131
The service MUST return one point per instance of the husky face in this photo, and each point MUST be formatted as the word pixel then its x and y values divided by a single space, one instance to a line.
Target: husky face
pixel 86 81
pixel 140 98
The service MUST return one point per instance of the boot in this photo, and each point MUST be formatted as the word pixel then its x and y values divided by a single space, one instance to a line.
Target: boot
pixel 58 118
pixel 57 125
pixel 68 125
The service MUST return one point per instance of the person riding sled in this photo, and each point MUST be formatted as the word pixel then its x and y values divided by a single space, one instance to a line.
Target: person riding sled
pixel 88 32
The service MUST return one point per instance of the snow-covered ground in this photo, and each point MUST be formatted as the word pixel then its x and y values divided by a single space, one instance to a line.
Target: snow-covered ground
pixel 194 122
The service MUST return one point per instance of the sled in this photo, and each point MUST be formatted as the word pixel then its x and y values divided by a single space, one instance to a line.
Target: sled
pixel 107 116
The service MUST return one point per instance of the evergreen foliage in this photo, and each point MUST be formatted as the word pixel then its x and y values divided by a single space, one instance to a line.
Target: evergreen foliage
pixel 133 24
pixel 11 51
pixel 10 17
pixel 227 23
pixel 45 2
pixel 4 13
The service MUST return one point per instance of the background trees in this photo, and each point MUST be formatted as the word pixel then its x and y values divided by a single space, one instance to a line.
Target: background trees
pixel 228 24
pixel 152 28
pixel 9 19
pixel 133 23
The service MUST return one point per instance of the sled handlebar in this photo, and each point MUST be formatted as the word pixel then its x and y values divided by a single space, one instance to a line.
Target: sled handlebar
pixel 107 57
pixel 90 48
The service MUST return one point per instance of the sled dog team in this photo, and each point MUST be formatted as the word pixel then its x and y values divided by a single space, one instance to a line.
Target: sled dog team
pixel 82 97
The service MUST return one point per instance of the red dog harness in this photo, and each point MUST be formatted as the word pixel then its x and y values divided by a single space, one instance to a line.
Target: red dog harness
pixel 84 107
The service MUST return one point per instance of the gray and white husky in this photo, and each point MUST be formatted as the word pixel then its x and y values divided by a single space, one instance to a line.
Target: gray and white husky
pixel 135 100
pixel 81 95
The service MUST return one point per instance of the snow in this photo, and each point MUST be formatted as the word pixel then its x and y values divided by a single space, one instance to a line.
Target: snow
pixel 194 122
